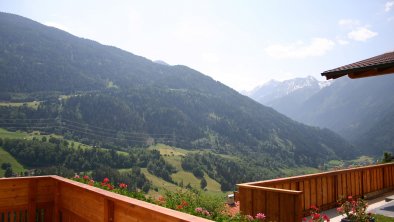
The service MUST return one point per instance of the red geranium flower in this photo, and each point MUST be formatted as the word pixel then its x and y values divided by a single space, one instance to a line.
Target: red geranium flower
pixel 123 186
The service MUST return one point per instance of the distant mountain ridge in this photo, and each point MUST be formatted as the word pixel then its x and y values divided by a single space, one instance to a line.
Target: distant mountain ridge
pixel 275 89
pixel 144 102
pixel 286 96
pixel 361 109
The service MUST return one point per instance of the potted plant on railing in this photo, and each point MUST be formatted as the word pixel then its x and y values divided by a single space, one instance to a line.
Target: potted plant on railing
pixel 355 210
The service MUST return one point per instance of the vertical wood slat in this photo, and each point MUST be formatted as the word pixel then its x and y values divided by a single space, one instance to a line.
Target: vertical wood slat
pixel 56 199
pixel 319 191
pixel 353 182
pixel 307 194
pixel 348 183
pixel 324 190
pixel 344 187
pixel 302 197
pixel 259 204
pixel 109 210
pixel 273 206
pixel 32 200
pixel 246 200
pixel 297 207
pixel 313 191
pixel 339 182
pixel 17 215
pixel 286 209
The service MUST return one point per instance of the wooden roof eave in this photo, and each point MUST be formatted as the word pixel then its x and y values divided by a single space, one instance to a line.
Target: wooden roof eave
pixel 361 72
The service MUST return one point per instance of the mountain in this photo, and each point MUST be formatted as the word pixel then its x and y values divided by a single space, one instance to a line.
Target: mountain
pixel 286 96
pixel 361 110
pixel 105 96
pixel 161 62
pixel 352 108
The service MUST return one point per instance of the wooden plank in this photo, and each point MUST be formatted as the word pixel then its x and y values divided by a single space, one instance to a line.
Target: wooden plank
pixel 339 185
pixel 259 201
pixel 246 203
pixel 345 191
pixel 56 200
pixel 286 186
pixel 381 178
pixel 32 200
pixel 319 191
pixel 387 177
pixel 68 216
pixel 298 210
pixel 359 181
pixel 109 211
pixel 287 207
pixel 307 195
pixel 273 207
pixel 348 184
pixel 330 190
pixel 354 183
pixel 366 182
pixel 293 186
pixel 17 215
pixel 373 180
pixel 302 196
pixel 48 214
pixel 242 200
pixel 313 191
pixel 81 202
pixel 324 188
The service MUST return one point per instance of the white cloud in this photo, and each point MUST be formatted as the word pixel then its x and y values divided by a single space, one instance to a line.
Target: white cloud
pixel 388 6
pixel 361 34
pixel 299 50
pixel 342 42
pixel 348 23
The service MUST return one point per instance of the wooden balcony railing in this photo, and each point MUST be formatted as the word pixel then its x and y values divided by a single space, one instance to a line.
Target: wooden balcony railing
pixel 53 198
pixel 288 199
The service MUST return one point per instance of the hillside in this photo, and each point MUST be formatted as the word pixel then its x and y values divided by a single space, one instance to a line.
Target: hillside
pixel 104 96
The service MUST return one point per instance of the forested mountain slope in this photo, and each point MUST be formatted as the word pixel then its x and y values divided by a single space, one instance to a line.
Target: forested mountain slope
pixel 119 100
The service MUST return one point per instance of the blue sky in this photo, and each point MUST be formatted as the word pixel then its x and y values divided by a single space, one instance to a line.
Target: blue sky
pixel 242 43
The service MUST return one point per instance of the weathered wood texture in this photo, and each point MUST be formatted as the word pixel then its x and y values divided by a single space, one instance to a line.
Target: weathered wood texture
pixel 322 190
pixel 53 198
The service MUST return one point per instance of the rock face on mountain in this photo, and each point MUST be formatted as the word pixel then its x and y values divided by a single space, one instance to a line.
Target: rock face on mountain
pixel 140 101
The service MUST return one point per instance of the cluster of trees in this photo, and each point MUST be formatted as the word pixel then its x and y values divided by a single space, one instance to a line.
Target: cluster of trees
pixel 161 169
pixel 7 169
pixel 57 156
pixel 227 172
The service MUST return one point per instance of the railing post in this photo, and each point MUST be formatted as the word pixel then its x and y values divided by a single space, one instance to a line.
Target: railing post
pixel 32 200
